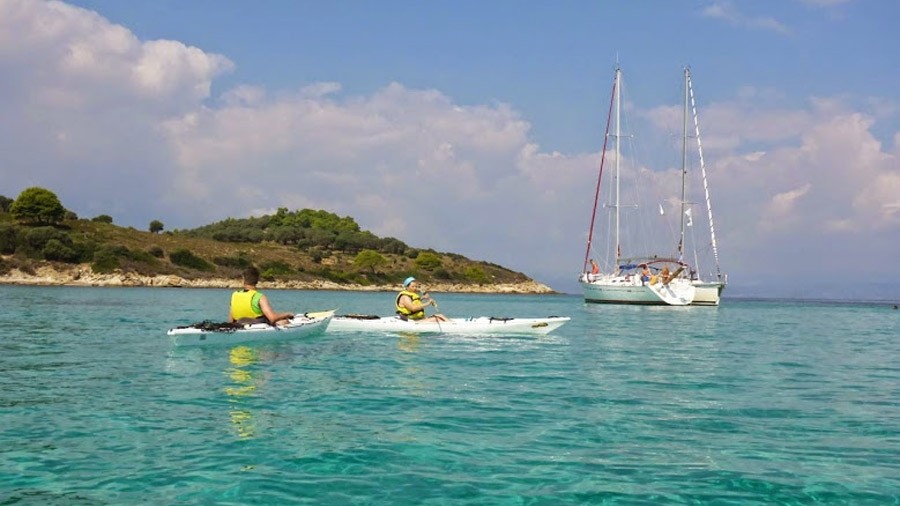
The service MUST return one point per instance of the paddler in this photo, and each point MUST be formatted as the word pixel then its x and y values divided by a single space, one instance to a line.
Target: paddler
pixel 250 305
pixel 411 306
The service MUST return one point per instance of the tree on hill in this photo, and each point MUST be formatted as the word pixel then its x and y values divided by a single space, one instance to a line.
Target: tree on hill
pixel 39 206
pixel 156 226
pixel 428 261
pixel 369 259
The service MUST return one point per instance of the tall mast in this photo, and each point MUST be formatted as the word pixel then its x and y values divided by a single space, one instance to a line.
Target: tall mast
pixel 590 240
pixel 618 92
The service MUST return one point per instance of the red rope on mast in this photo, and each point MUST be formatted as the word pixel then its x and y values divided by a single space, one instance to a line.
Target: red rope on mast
pixel 590 240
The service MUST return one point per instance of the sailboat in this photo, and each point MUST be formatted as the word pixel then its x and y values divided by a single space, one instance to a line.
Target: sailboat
pixel 645 275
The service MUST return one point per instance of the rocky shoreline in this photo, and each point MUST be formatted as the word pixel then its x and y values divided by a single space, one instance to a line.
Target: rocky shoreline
pixel 82 275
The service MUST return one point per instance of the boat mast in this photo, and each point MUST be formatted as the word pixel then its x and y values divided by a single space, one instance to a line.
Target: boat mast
pixel 618 92
pixel 684 144
pixel 590 240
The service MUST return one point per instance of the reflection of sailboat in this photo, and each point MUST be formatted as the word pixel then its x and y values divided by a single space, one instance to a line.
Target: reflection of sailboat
pixel 634 278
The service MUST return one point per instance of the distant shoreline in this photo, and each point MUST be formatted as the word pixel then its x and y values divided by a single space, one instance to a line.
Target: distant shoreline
pixel 84 276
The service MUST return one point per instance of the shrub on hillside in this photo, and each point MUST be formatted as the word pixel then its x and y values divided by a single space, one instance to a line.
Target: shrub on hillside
pixel 270 270
pixel 144 257
pixel 55 250
pixel 85 250
pixel 442 273
pixel 369 260
pixel 237 262
pixel 37 238
pixel 106 260
pixel 185 258
pixel 428 261
pixel 9 238
pixel 477 275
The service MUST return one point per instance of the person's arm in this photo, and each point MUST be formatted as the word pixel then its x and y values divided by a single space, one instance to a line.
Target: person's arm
pixel 270 313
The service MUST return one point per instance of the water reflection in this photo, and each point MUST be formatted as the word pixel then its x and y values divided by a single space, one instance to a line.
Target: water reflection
pixel 244 384
pixel 409 342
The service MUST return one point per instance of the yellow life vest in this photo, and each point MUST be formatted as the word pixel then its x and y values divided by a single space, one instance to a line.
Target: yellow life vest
pixel 418 315
pixel 245 304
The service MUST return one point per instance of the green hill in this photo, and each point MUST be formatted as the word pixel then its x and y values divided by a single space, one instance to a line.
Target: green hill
pixel 304 245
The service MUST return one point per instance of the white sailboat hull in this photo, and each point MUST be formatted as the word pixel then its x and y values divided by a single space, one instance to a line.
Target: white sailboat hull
pixel 708 293
pixel 621 290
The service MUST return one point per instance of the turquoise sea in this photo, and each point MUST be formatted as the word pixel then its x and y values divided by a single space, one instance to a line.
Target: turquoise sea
pixel 753 402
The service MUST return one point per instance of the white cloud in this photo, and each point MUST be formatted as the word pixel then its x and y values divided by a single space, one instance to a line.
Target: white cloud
pixel 82 99
pixel 726 10
pixel 779 214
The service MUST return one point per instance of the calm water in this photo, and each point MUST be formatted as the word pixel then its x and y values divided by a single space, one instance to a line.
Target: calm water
pixel 754 402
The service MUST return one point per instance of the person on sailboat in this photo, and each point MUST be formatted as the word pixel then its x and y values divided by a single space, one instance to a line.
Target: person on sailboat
pixel 411 306
pixel 595 270
pixel 645 274
pixel 665 276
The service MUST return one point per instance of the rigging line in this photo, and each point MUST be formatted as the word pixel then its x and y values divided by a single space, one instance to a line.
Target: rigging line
pixel 587 251
pixel 712 228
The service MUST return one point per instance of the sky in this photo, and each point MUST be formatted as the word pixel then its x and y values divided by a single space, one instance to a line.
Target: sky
pixel 467 126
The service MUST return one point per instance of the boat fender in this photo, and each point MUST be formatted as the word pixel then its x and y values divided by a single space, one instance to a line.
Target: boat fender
pixel 500 319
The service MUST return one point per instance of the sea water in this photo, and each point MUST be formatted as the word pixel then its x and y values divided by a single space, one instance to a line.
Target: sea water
pixel 752 402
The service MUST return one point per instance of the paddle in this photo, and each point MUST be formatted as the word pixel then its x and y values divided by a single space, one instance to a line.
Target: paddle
pixel 434 305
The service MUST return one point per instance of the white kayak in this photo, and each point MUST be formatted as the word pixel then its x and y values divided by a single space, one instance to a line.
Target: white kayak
pixel 481 325
pixel 209 333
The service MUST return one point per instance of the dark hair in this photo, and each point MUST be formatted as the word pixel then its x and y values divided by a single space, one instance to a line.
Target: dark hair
pixel 251 276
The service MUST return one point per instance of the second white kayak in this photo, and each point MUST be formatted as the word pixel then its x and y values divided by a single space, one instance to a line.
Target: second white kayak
pixel 481 325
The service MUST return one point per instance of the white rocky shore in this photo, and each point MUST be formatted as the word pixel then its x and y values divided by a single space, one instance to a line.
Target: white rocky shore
pixel 82 275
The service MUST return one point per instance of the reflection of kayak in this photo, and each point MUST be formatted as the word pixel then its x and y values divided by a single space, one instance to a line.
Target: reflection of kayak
pixel 481 325
pixel 211 333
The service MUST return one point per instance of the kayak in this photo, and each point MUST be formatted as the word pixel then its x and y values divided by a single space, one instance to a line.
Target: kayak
pixel 211 333
pixel 481 325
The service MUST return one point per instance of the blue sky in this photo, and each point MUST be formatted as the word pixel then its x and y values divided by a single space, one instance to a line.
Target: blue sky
pixel 471 127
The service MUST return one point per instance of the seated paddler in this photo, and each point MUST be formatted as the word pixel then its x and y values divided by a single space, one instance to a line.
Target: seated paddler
pixel 411 306
pixel 249 305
